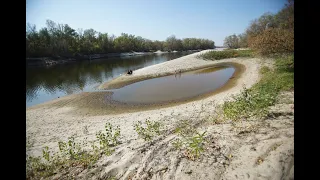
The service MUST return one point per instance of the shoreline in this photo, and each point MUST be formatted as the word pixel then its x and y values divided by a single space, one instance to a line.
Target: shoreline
pixel 51 61
pixel 56 120
pixel 185 63
pixel 69 114
pixel 125 80
pixel 101 103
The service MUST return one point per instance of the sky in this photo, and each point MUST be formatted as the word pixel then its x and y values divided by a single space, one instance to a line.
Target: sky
pixel 154 19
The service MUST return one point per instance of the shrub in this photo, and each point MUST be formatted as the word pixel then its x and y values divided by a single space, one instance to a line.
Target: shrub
pixel 108 139
pixel 148 131
pixel 273 40
pixel 70 149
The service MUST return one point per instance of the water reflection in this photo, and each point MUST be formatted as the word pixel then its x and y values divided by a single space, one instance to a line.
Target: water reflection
pixel 46 83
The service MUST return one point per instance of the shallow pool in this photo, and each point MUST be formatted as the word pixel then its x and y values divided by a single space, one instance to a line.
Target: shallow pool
pixel 175 87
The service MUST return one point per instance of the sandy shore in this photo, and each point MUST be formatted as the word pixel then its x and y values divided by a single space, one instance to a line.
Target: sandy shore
pixel 185 63
pixel 59 119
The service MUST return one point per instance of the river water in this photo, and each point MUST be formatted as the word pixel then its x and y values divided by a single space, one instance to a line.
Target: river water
pixel 47 83
pixel 174 87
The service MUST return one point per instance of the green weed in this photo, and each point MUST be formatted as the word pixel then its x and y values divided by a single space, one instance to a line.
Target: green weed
pixel 195 145
pixel 256 100
pixel 108 139
pixel 192 145
pixel 71 154
pixel 217 55
pixel 149 130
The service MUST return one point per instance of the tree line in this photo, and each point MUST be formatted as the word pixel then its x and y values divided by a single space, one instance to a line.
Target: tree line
pixel 270 33
pixel 62 40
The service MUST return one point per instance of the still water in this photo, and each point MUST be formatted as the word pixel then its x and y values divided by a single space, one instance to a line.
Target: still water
pixel 174 87
pixel 47 83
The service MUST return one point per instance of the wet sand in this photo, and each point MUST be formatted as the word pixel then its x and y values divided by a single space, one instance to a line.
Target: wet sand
pixel 101 103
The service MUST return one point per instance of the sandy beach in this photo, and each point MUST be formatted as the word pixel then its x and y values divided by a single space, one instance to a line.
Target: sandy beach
pixel 238 154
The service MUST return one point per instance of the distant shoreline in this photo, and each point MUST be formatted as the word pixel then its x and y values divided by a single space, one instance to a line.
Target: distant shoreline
pixel 50 61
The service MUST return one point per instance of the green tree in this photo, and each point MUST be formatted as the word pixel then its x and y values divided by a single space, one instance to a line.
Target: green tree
pixel 61 40
pixel 232 42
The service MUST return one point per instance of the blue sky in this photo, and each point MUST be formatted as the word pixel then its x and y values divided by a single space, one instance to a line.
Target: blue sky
pixel 154 19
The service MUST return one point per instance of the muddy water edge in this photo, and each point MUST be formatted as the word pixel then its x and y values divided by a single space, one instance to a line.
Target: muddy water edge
pixel 102 103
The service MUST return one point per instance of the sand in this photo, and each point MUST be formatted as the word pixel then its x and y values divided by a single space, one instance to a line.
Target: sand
pixel 185 63
pixel 263 152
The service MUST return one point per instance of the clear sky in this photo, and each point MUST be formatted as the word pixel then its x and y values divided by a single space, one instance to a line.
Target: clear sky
pixel 154 19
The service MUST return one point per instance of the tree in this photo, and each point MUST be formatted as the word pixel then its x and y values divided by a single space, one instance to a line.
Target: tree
pixel 243 40
pixel 277 38
pixel 171 43
pixel 232 42
pixel 257 26
pixel 62 40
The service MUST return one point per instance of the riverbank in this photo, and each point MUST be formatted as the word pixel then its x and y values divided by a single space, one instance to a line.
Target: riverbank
pixel 182 64
pixel 231 154
pixel 50 61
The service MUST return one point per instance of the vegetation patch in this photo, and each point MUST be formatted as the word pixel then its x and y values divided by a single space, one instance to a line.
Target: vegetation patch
pixel 217 55
pixel 108 139
pixel 72 155
pixel 191 146
pixel 148 129
pixel 256 100
pixel 189 140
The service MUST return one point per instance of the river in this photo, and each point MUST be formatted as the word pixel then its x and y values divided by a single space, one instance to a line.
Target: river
pixel 46 83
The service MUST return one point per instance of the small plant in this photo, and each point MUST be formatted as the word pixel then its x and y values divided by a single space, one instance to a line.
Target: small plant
pixel 192 146
pixel 147 133
pixel 108 139
pixel 46 153
pixel 195 145
pixel 70 149
pixel 36 168
pixel 71 154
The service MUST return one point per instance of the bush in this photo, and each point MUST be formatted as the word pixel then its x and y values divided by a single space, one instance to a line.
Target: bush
pixel 273 40
pixel 272 33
